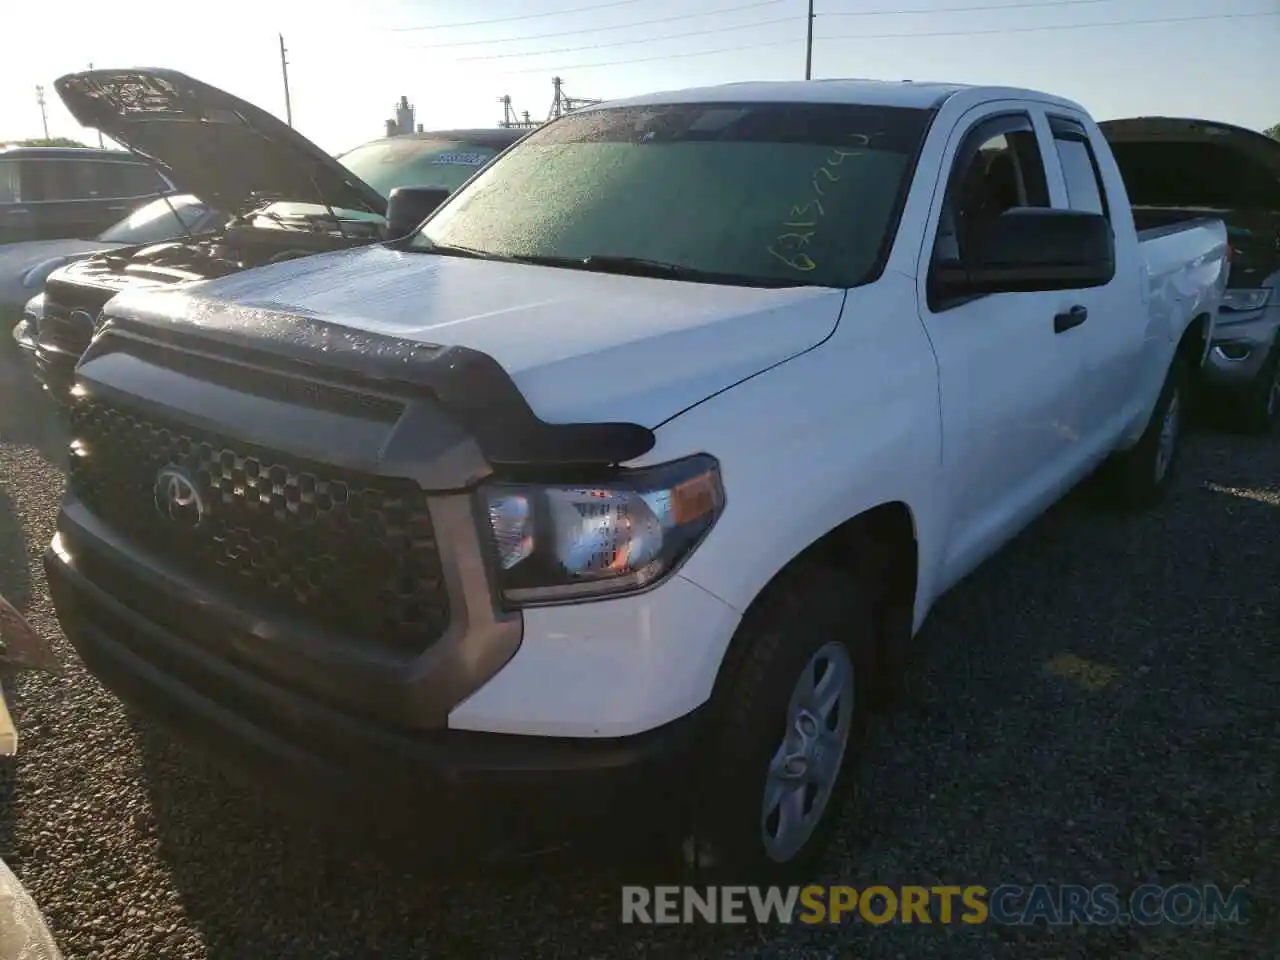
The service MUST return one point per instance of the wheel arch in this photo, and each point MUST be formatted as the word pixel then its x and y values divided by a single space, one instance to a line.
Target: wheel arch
pixel 879 548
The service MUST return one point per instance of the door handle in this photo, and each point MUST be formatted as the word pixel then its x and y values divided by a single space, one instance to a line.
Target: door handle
pixel 1067 319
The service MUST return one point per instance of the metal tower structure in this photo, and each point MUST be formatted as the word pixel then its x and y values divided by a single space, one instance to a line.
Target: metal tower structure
pixel 512 120
pixel 561 103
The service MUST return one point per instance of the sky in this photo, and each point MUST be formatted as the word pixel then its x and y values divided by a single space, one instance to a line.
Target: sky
pixel 350 63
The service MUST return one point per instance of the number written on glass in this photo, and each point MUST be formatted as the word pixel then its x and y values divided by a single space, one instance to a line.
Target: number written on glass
pixel 803 220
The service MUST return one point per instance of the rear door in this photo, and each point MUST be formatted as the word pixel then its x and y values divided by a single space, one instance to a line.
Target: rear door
pixel 1010 385
pixel 1114 327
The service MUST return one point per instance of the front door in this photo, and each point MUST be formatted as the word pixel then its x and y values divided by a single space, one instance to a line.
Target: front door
pixel 1009 380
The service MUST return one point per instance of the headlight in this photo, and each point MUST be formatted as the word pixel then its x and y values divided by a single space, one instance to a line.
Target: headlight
pixel 575 541
pixel 33 312
pixel 1245 300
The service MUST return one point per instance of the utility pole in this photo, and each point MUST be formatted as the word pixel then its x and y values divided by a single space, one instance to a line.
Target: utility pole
pixel 101 145
pixel 284 71
pixel 44 117
pixel 808 47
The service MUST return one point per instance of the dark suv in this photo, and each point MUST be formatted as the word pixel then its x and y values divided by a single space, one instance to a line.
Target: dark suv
pixel 285 197
pixel 48 193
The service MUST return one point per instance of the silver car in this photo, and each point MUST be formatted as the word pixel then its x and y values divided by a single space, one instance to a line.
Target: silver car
pixel 24 266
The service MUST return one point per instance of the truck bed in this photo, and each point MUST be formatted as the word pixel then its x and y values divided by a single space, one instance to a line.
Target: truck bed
pixel 1153 222
pixel 1184 263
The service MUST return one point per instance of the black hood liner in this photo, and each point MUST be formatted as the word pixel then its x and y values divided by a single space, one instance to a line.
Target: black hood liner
pixel 1183 162
pixel 470 385
pixel 229 153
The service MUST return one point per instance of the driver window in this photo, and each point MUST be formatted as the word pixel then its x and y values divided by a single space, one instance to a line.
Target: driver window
pixel 998 168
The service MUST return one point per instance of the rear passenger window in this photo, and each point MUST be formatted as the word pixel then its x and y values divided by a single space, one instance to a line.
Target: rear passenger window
pixel 64 179
pixel 131 180
pixel 10 184
pixel 1079 167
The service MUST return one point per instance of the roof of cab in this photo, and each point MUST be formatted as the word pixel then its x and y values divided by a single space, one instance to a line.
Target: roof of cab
pixel 923 95
pixel 63 153
pixel 479 136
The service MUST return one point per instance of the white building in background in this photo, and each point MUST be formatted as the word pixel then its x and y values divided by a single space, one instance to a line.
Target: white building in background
pixel 404 120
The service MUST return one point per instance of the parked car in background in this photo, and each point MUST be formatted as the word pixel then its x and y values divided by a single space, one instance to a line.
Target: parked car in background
pixel 25 266
pixel 48 193
pixel 435 158
pixel 285 197
pixel 605 499
pixel 1174 167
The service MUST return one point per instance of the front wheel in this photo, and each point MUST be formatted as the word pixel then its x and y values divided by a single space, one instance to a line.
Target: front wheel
pixel 1142 475
pixel 790 717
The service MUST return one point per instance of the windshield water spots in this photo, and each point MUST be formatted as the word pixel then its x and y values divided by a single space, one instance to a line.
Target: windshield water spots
pixel 787 193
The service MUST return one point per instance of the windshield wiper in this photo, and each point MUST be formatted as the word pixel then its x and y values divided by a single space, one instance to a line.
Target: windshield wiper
pixel 640 267
pixel 454 250
pixel 628 266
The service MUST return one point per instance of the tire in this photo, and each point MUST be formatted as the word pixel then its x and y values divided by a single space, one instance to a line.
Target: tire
pixel 1261 404
pixel 816 625
pixel 1143 474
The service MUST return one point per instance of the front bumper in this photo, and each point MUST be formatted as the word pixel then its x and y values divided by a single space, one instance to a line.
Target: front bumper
pixel 499 795
pixel 54 368
pixel 1241 345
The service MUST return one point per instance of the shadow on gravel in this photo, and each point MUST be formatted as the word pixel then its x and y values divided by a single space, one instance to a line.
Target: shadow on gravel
pixel 222 844
pixel 995 770
pixel 29 417
pixel 15 586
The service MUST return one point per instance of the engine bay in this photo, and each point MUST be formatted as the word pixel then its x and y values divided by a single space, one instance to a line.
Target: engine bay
pixel 231 250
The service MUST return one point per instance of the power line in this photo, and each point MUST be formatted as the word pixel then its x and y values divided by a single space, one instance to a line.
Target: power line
pixel 523 16
pixel 721 29
pixel 892 36
pixel 629 43
pixel 919 10
pixel 556 34
pixel 1063 26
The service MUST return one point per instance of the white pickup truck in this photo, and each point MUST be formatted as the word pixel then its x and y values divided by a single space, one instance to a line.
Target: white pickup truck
pixel 612 495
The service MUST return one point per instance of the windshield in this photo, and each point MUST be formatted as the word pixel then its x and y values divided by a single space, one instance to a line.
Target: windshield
pixel 156 221
pixel 410 162
pixel 751 193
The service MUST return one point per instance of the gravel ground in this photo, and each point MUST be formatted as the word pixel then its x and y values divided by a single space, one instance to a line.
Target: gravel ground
pixel 1160 765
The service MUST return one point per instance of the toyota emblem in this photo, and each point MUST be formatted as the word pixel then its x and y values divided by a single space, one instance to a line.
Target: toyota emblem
pixel 83 318
pixel 177 497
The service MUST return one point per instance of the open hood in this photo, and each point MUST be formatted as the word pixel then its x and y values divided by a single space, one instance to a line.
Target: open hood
pixel 226 151
pixel 1180 162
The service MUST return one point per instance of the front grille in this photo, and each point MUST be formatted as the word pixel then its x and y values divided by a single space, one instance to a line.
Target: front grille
pixel 351 552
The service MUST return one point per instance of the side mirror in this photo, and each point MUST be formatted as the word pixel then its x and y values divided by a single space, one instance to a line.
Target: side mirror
pixel 407 207
pixel 1028 249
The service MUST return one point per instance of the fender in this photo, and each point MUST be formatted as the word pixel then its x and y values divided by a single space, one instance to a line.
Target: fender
pixel 836 425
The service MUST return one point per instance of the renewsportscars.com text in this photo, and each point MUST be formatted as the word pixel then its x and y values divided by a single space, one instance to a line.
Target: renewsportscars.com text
pixel 1007 904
